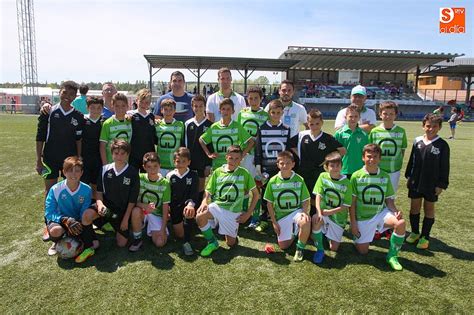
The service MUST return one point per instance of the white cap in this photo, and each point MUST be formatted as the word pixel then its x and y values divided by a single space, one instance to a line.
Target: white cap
pixel 359 89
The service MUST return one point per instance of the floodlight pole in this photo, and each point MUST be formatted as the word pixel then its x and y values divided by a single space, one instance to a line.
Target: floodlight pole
pixel 468 88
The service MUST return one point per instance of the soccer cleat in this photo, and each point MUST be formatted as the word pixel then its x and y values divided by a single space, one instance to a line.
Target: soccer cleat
pixel 262 226
pixel 377 236
pixel 107 227
pixel 187 249
pixel 209 249
pixel 136 245
pixel 52 250
pixel 298 255
pixel 45 236
pixel 269 249
pixel 318 256
pixel 412 238
pixel 253 224
pixel 423 243
pixel 394 264
pixel 86 253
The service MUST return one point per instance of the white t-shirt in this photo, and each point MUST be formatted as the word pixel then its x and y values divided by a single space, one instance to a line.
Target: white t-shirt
pixel 294 116
pixel 367 116
pixel 213 101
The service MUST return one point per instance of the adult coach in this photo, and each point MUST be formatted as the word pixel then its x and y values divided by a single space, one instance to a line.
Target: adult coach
pixel 179 95
pixel 367 119
pixel 108 91
pixel 294 114
pixel 224 76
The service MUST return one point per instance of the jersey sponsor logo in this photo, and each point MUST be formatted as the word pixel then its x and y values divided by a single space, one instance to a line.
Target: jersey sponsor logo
pixel 168 140
pixel 373 195
pixel 150 196
pixel 331 196
pixel 228 192
pixel 222 147
pixel 189 181
pixel 322 146
pixel 390 149
pixel 126 181
pixel 284 202
pixel 435 150
pixel 122 135
pixel 274 153
pixel 251 126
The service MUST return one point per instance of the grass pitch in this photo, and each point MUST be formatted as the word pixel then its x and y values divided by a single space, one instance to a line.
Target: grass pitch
pixel 241 280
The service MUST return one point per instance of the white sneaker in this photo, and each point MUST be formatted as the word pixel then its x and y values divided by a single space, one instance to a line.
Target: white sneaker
pixel 52 250
pixel 188 250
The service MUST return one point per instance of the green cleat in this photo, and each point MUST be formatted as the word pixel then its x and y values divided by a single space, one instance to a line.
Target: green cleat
pixel 209 249
pixel 393 262
pixel 107 227
pixel 423 243
pixel 262 226
pixel 86 253
pixel 298 255
pixel 412 238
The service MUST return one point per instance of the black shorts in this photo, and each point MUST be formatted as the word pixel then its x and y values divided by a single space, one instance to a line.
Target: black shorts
pixel 101 221
pixel 91 174
pixel 52 170
pixel 431 197
pixel 199 171
pixel 176 214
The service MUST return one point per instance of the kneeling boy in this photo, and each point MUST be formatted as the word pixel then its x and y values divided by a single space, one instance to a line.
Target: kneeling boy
pixel 373 206
pixel 288 205
pixel 227 187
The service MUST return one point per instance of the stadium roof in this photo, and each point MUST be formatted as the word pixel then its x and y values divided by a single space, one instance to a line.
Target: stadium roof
pixel 459 67
pixel 208 62
pixel 370 60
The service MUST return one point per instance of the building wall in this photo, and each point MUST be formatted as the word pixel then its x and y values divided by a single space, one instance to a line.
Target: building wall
pixel 439 83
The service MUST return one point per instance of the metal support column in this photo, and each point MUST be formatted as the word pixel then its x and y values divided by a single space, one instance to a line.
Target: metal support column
pixel 417 78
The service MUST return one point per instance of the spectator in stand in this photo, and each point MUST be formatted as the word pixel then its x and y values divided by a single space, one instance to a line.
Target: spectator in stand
pixel 179 95
pixel 367 116
pixel 80 102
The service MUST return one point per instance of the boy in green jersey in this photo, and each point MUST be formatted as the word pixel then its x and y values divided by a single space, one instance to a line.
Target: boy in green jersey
pixel 223 134
pixel 373 206
pixel 251 118
pixel 226 188
pixel 353 138
pixel 288 205
pixel 153 203
pixel 392 139
pixel 333 198
pixel 115 127
pixel 170 134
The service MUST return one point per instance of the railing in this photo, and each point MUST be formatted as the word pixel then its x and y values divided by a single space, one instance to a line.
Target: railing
pixel 443 95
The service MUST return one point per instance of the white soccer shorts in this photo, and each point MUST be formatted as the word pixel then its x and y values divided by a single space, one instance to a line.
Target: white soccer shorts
pixel 367 228
pixel 289 226
pixel 225 219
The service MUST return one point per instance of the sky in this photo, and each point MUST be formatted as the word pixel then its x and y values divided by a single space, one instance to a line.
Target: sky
pixel 105 40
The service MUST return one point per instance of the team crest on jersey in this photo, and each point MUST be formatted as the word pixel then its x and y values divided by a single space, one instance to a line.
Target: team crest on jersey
pixel 189 181
pixel 126 181
pixel 434 150
pixel 81 199
pixel 322 146
pixel 74 122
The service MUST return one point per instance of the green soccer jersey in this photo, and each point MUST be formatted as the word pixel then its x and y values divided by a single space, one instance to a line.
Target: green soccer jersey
pixel 229 187
pixel 354 142
pixel 252 120
pixel 113 128
pixel 170 137
pixel 286 195
pixel 158 192
pixel 371 191
pixel 334 193
pixel 392 142
pixel 222 137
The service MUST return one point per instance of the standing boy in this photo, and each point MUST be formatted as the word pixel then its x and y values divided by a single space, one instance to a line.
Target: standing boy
pixel 117 192
pixel 427 176
pixel 227 186
pixel 373 206
pixel 392 139
pixel 288 205
pixel 223 134
pixel 143 128
pixel 115 127
pixel 194 128
pixel 333 198
pixel 170 135
pixel 153 203
pixel 353 139
pixel 58 135
pixel 184 197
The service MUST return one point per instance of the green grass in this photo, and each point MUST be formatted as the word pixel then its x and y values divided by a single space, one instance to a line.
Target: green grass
pixel 244 279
